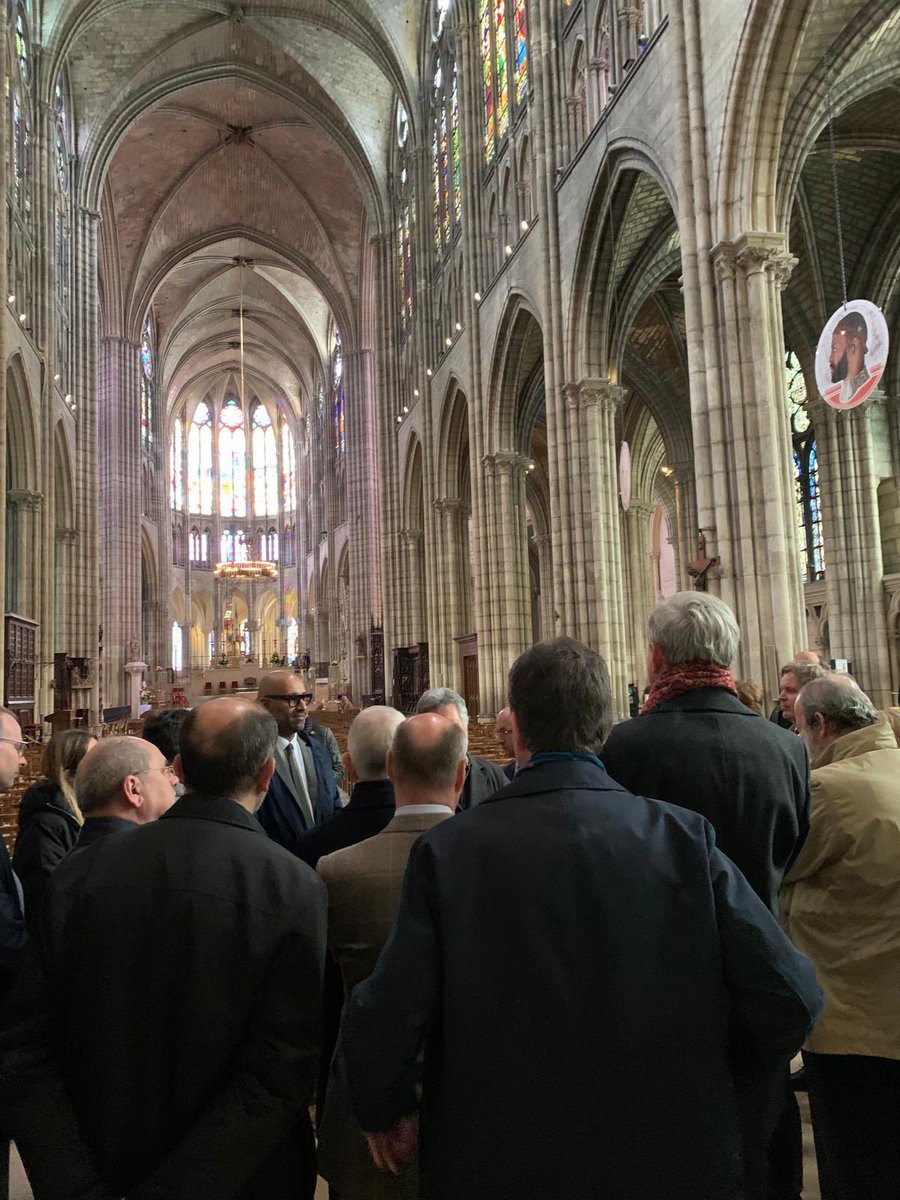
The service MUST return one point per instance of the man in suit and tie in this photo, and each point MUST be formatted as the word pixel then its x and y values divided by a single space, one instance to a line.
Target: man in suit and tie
pixel 303 792
pixel 483 777
pixel 427 764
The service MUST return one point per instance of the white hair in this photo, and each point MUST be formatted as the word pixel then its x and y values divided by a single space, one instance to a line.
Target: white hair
pixel 437 698
pixel 369 740
pixel 843 704
pixel 695 627
pixel 105 768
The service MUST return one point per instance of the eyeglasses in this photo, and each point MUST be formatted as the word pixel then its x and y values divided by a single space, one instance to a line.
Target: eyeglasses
pixel 168 769
pixel 20 746
pixel 292 698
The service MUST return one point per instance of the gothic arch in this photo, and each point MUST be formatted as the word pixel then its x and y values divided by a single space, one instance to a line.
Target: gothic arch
pixel 518 354
pixel 21 430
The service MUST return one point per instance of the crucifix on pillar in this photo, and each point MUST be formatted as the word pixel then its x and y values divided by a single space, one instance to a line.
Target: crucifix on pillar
pixel 702 565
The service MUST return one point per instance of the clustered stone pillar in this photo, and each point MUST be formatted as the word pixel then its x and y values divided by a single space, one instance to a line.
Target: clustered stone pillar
pixel 684 535
pixel 640 577
pixel 507 628
pixel 854 572
pixel 453 601
pixel 749 455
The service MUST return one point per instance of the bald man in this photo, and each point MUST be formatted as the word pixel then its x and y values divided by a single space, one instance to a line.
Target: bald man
pixel 371 803
pixel 121 783
pixel 303 792
pixel 183 967
pixel 427 764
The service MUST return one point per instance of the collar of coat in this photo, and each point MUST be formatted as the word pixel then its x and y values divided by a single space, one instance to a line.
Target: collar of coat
pixel 567 775
pixel 195 806
pixel 879 736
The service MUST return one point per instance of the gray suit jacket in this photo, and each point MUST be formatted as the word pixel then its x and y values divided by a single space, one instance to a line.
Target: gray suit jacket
pixel 364 886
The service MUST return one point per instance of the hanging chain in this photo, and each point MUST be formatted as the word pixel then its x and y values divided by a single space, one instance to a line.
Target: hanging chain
pixel 834 175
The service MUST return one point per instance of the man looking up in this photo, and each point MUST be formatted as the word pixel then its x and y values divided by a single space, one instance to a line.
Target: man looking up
pixel 303 792
pixel 483 778
pixel 427 765
pixel 121 783
pixel 569 941
pixel 195 947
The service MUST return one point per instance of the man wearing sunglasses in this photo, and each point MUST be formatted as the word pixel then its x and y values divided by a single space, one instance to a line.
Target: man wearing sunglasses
pixel 303 792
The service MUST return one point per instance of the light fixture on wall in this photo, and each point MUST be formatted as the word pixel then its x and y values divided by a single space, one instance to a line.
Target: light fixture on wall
pixel 429 372
pixel 448 341
pixel 406 408
pixel 56 377
pixel 507 250
pixel 399 419
pixel 477 297
pixel 458 327
pixel 11 298
pixel 23 317
pixel 667 471
pixel 416 392
pixel 523 225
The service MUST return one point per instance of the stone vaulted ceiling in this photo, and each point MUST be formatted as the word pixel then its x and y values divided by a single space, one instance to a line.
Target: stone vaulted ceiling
pixel 238 156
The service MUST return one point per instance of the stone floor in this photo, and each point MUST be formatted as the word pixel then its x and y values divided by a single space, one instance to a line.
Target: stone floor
pixel 19 1189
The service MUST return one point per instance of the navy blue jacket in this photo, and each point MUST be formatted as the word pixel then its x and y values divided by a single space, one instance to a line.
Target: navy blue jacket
pixel 279 814
pixel 585 971
pixel 706 751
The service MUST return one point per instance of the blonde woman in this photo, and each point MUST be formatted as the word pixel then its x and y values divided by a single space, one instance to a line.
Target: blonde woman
pixel 49 819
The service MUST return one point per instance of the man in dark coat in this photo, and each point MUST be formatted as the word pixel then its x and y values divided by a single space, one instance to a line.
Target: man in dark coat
pixel 697 746
pixel 583 969
pixel 483 777
pixel 175 1054
pixel 371 804
pixel 303 792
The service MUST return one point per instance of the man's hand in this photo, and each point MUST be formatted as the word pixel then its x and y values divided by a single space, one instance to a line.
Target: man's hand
pixel 394 1146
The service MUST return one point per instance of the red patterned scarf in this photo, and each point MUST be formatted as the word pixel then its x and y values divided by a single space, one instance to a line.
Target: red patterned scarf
pixel 687 677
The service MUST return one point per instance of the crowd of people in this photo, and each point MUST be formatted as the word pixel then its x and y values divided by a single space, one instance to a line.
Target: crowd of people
pixel 583 973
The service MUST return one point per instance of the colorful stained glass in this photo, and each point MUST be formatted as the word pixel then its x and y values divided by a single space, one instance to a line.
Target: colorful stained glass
pixel 232 460
pixel 454 147
pixel 521 52
pixel 147 382
pixel 806 474
pixel 487 78
pixel 288 470
pixel 265 462
pixel 445 176
pixel 176 470
pixel 501 67
pixel 23 48
pixel 337 364
pixel 436 187
pixel 200 461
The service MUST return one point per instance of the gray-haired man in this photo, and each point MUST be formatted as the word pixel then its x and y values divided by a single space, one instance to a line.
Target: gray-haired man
pixel 697 746
pixel 483 778
pixel 121 783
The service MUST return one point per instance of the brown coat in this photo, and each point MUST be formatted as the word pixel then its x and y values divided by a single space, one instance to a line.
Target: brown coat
pixel 364 884
pixel 841 899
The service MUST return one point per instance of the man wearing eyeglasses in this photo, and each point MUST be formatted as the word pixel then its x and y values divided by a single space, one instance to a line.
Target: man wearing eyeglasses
pixel 121 783
pixel 303 792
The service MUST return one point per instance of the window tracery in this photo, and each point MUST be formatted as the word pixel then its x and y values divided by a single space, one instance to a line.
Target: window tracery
pixel 445 133
pixel 147 383
pixel 405 210
pixel 176 468
pixel 232 460
pixel 265 461
pixel 200 461
pixel 337 391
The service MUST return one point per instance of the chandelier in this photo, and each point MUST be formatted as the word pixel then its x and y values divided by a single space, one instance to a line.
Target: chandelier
pixel 245 571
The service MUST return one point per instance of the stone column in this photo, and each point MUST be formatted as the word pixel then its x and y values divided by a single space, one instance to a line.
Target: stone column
pixel 412 543
pixel 24 556
pixel 641 589
pixel 452 600
pixel 684 536
pixel 594 405
pixel 544 545
pixel 854 566
pixel 135 672
pixel 508 631
pixel 751 446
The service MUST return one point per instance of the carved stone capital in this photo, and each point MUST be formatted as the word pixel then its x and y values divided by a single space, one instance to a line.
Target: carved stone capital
pixel 26 499
pixel 412 537
pixel 448 506
pixel 506 462
pixel 640 510
pixel 600 393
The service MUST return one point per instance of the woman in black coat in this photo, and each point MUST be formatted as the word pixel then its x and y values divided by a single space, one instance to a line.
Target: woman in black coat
pixel 49 819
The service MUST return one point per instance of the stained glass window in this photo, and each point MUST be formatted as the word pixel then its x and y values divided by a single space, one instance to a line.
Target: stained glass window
pixel 147 382
pixel 200 461
pixel 521 52
pixel 445 144
pixel 271 544
pixel 454 147
pixel 293 639
pixel 487 79
pixel 177 648
pixel 23 48
pixel 806 473
pixel 232 460
pixel 504 66
pixel 288 469
pixel 265 462
pixel 337 369
pixel 176 470
pixel 501 73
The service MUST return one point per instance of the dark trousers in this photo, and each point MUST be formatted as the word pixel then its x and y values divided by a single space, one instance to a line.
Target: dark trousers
pixel 855 1105
pixel 771 1143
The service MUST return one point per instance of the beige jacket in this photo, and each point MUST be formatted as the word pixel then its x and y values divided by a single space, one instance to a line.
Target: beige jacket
pixel 841 899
